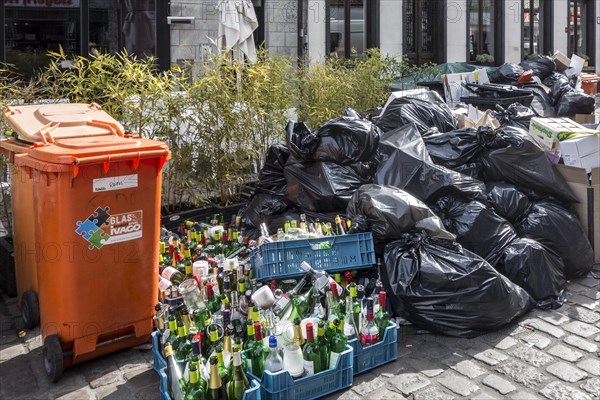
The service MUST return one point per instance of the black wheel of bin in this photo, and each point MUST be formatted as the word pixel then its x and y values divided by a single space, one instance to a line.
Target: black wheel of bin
pixel 53 358
pixel 30 309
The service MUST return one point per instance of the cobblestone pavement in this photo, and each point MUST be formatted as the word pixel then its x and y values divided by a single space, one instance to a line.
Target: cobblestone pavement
pixel 545 354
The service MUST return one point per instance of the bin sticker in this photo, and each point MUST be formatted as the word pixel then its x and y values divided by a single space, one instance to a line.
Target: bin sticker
pixel 102 228
pixel 115 183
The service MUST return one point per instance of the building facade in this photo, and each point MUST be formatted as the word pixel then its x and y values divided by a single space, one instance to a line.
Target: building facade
pixel 423 30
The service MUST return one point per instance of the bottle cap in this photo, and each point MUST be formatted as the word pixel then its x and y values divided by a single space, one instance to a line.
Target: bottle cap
pixel 272 341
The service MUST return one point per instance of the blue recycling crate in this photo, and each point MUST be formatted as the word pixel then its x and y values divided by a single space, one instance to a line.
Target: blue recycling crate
pixel 378 354
pixel 253 393
pixel 281 385
pixel 159 359
pixel 331 253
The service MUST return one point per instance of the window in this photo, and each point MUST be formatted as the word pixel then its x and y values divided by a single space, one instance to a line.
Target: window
pixel 79 26
pixel 582 28
pixel 421 24
pixel 481 28
pixel 532 27
pixel 349 24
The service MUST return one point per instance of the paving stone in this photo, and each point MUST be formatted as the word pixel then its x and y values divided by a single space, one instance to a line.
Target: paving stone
pixel 408 383
pixel 543 326
pixel 506 343
pixel 575 287
pixel 429 368
pixel 566 372
pixel 490 357
pixel 532 356
pixel 591 386
pixel 481 395
pixel 384 394
pixel 580 343
pixel 524 396
pixel 147 393
pixel 15 379
pixel 343 395
pixel 538 340
pixel 559 391
pixel 588 282
pixel 581 328
pixel 459 385
pixel 140 377
pixel 366 383
pixel 522 373
pixel 114 392
pixel 500 384
pixel 11 351
pixel 583 315
pixel 553 317
pixel 564 352
pixel 111 377
pixel 593 294
pixel 433 393
pixel 590 365
pixel 83 393
pixel 583 301
pixel 469 369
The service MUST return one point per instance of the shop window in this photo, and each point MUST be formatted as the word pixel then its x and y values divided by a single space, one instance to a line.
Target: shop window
pixel 532 27
pixel 482 15
pixel 349 23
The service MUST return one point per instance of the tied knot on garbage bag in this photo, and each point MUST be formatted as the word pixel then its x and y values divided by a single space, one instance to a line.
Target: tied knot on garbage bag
pixel 441 287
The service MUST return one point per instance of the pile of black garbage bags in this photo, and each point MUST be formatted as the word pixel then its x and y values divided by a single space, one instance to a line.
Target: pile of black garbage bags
pixel 562 99
pixel 474 225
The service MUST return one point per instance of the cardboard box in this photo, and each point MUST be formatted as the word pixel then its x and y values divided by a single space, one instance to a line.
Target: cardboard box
pixel 548 132
pixel 561 61
pixel 584 118
pixel 582 152
pixel 588 208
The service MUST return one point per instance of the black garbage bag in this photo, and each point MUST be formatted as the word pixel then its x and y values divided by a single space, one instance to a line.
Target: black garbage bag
pixel 405 164
pixel 572 103
pixel 260 206
pixel 270 178
pixel 427 111
pixel 473 169
pixel 515 115
pixel 508 201
pixel 542 103
pixel 539 271
pixel 323 186
pixel 452 149
pixel 542 67
pixel 559 230
pixel 506 73
pixel 476 227
pixel 344 140
pixel 439 286
pixel 551 79
pixel 511 155
pixel 559 89
pixel 389 212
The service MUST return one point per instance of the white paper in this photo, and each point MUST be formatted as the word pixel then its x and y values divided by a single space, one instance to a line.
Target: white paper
pixel 115 183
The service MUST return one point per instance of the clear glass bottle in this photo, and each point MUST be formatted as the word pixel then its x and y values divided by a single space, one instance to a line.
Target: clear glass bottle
pixel 273 361
pixel 369 333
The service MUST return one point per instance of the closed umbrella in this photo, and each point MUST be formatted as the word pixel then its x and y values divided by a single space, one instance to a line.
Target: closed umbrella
pixel 237 21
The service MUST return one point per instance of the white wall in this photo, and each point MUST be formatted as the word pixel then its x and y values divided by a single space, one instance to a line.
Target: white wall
pixel 561 18
pixel 390 27
pixel 456 31
pixel 513 31
pixel 317 31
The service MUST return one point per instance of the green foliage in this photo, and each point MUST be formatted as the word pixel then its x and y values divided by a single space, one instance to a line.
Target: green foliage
pixel 484 58
pixel 326 89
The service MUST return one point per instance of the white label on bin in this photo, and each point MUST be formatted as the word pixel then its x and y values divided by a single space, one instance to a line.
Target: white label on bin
pixel 115 183
pixel 102 228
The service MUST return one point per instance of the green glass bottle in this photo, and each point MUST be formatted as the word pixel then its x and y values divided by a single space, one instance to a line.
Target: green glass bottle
pixel 257 355
pixel 195 390
pixel 337 344
pixel 250 341
pixel 313 362
pixel 216 390
pixel 239 381
pixel 175 382
pixel 223 371
pixel 172 324
pixel 214 303
pixel 323 344
pixel 213 335
pixel 182 345
pixel 382 317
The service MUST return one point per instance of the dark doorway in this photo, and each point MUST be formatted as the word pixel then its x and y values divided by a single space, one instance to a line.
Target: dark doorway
pixel 421 30
pixel 259 33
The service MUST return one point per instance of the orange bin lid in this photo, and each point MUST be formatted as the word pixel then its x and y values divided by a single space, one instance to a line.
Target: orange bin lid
pixel 75 134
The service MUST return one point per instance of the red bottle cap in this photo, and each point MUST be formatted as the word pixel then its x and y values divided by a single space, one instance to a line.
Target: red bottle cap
pixel 334 290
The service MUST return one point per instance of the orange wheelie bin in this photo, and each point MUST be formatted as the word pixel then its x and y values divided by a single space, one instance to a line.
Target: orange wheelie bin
pixel 90 229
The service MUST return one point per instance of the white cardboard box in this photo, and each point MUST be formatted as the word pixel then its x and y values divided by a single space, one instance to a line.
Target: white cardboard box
pixel 582 152
pixel 548 132
pixel 453 84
